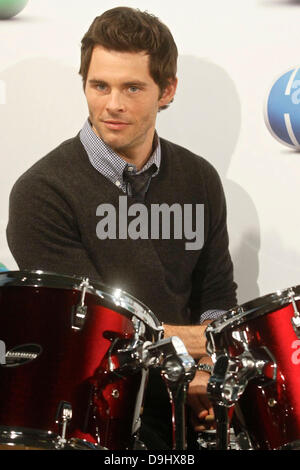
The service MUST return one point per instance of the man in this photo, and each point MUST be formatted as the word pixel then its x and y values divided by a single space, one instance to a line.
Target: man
pixel 57 208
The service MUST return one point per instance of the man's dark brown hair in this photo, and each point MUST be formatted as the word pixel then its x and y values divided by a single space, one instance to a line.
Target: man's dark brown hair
pixel 130 30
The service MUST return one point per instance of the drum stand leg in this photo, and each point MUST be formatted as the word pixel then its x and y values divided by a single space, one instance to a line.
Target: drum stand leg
pixel 177 398
pixel 177 369
pixel 221 416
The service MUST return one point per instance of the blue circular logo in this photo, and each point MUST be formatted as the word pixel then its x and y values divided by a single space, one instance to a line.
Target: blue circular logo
pixel 282 109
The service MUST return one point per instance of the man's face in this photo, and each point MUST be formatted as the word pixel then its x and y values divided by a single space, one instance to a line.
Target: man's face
pixel 123 101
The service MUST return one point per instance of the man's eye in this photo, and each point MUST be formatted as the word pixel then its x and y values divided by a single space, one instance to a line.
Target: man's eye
pixel 101 87
pixel 133 89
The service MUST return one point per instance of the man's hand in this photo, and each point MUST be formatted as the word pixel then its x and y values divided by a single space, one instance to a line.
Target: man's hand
pixel 202 414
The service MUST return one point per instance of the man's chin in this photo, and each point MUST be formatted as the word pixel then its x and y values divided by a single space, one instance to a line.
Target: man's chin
pixel 115 143
pixel 109 139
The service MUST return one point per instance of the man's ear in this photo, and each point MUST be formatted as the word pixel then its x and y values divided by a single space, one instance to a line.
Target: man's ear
pixel 169 92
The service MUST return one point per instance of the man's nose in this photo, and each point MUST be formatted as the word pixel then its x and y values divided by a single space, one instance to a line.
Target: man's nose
pixel 115 102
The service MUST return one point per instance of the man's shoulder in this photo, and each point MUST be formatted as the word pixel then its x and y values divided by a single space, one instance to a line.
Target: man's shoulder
pixel 58 157
pixel 52 170
pixel 57 161
pixel 186 158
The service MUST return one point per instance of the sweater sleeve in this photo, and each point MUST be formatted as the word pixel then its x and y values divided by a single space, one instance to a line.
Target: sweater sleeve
pixel 42 232
pixel 213 287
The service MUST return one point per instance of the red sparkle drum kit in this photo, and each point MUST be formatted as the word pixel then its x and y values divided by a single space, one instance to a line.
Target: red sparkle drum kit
pixel 75 357
pixel 74 361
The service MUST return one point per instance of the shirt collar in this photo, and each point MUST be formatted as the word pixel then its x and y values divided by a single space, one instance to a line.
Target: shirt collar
pixel 105 160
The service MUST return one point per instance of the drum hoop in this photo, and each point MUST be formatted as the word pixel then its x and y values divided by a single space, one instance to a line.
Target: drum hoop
pixel 26 436
pixel 254 309
pixel 117 299
pixel 16 436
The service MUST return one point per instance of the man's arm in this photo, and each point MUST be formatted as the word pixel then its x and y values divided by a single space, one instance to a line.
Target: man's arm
pixel 193 337
pixel 213 286
pixel 42 232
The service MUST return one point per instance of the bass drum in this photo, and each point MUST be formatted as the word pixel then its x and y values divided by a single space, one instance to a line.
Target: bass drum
pixel 60 388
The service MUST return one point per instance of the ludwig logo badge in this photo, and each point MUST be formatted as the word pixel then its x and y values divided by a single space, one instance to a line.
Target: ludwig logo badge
pixel 18 355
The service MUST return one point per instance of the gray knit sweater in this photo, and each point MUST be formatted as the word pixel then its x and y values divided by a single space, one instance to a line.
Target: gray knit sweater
pixel 53 219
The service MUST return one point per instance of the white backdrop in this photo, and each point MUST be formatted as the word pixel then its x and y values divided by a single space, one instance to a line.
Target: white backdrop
pixel 230 53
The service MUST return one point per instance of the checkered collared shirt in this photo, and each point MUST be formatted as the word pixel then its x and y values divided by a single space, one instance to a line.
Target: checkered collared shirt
pixel 105 160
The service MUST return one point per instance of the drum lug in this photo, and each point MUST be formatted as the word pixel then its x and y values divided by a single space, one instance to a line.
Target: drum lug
pixel 79 311
pixel 296 318
pixel 63 417
pixel 296 325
